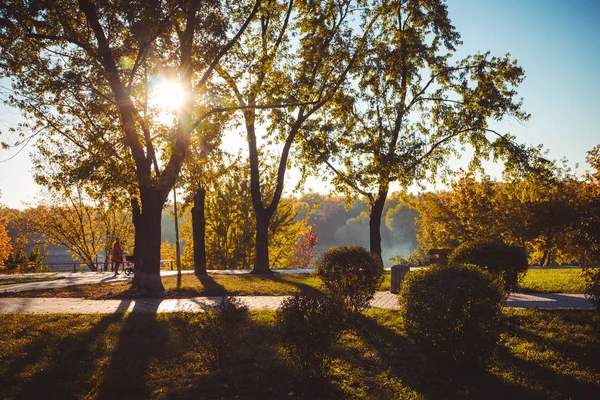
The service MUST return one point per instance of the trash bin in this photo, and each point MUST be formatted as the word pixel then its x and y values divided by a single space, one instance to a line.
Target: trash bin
pixel 398 274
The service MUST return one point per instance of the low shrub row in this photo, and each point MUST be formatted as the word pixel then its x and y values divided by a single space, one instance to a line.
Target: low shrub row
pixel 507 264
pixel 309 327
pixel 451 311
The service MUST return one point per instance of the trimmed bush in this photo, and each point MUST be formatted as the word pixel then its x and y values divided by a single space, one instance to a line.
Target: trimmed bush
pixel 215 334
pixel 592 285
pixel 351 274
pixel 309 328
pixel 506 263
pixel 452 312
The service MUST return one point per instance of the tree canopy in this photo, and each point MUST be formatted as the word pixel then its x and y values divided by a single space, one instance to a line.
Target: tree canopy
pixel 410 104
pixel 80 71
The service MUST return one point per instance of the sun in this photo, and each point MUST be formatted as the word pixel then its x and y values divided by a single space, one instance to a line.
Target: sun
pixel 167 95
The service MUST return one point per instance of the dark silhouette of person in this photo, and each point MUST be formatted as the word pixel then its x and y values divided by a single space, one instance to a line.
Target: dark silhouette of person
pixel 117 255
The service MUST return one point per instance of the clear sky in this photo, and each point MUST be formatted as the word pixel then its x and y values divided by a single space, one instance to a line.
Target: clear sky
pixel 557 42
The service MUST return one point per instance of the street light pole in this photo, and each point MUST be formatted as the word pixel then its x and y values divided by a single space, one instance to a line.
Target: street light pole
pixel 177 252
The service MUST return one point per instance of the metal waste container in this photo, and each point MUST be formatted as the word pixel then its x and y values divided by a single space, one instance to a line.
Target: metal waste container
pixel 398 274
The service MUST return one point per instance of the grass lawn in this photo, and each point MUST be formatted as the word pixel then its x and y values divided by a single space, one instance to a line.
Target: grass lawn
pixel 544 354
pixel 26 280
pixel 555 280
pixel 192 286
pixel 559 280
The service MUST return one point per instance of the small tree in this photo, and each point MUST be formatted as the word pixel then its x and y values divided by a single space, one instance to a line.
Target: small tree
pixel 167 251
pixel 86 227
pixel 5 246
pixel 304 253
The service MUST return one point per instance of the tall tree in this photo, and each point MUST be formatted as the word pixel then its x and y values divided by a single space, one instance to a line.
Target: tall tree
pixel 303 74
pixel 410 106
pixel 229 217
pixel 204 169
pixel 81 68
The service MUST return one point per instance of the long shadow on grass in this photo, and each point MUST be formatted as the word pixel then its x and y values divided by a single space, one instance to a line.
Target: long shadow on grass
pixel 407 362
pixel 584 354
pixel 258 372
pixel 555 385
pixel 211 287
pixel 141 340
pixel 65 367
pixel 303 287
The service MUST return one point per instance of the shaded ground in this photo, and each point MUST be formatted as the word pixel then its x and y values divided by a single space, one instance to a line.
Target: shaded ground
pixel 545 355
pixel 554 280
pixel 192 286
pixel 15 281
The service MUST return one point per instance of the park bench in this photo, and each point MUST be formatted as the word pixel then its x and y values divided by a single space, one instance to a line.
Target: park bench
pixel 398 272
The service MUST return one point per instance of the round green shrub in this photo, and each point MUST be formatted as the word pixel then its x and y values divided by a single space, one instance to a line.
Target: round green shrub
pixel 592 285
pixel 309 328
pixel 351 274
pixel 506 263
pixel 452 312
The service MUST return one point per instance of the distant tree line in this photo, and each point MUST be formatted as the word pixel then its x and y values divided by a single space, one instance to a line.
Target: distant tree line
pixel 554 217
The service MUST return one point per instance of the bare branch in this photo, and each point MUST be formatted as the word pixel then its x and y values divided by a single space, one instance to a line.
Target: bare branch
pixel 229 45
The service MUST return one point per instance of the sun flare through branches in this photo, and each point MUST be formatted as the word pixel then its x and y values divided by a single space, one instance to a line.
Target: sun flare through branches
pixel 168 97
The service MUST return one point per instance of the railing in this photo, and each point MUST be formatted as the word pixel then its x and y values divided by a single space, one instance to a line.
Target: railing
pixel 75 266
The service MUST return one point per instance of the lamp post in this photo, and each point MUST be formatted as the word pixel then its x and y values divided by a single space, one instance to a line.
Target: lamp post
pixel 177 252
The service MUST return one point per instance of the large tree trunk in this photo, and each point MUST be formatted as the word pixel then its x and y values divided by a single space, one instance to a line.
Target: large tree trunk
pixel 261 262
pixel 375 225
pixel 147 247
pixel 199 232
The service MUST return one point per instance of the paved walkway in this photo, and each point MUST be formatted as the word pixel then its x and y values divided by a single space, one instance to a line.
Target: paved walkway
pixel 384 300
pixel 87 278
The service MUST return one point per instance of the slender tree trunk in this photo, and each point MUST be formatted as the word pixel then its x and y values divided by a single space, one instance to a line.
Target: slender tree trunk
pixel 199 232
pixel 261 262
pixel 543 261
pixel 375 225
pixel 147 244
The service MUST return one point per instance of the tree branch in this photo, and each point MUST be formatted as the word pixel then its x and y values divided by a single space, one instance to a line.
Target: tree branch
pixel 229 45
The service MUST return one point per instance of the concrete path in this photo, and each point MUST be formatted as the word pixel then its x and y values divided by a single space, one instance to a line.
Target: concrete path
pixel 548 301
pixel 384 300
pixel 87 278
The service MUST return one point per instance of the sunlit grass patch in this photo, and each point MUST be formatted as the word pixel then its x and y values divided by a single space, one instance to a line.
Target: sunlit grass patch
pixel 554 280
pixel 544 354
pixel 191 286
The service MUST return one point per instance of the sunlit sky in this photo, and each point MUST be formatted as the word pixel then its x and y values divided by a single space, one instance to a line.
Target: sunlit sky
pixel 556 42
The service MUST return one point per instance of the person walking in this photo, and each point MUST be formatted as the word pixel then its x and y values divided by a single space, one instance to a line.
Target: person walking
pixel 117 255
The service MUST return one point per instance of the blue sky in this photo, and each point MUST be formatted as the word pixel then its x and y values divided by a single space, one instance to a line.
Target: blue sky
pixel 558 45
pixel 556 42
